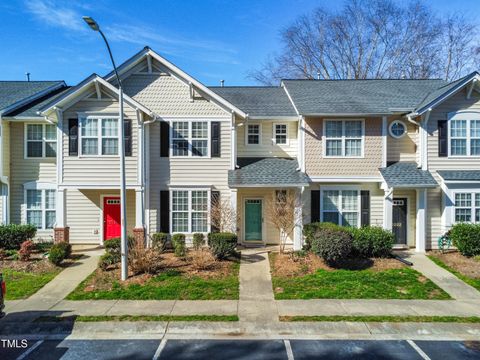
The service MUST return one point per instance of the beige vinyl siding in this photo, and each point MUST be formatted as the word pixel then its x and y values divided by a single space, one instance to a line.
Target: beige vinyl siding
pixel 98 170
pixel 84 214
pixel 434 218
pixel 26 170
pixel 318 165
pixel 411 197
pixel 403 149
pixel 268 146
pixel 6 147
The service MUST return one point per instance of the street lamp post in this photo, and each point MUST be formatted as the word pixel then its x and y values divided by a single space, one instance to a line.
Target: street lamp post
pixel 121 152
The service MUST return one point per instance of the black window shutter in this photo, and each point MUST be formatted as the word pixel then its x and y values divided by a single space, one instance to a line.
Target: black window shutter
pixel 442 138
pixel 315 205
pixel 365 207
pixel 215 139
pixel 127 135
pixel 215 201
pixel 165 211
pixel 73 137
pixel 164 139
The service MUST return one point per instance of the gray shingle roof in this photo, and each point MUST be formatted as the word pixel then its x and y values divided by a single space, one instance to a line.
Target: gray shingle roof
pixel 407 174
pixel 267 171
pixel 460 175
pixel 358 96
pixel 257 100
pixel 30 110
pixel 12 92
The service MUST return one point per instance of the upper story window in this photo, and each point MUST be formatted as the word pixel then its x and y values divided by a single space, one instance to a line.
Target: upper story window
pixel 280 133
pixel 253 134
pixel 40 208
pixel 41 140
pixel 464 137
pixel 341 207
pixel 190 138
pixel 99 136
pixel 189 211
pixel 397 129
pixel 467 207
pixel 344 138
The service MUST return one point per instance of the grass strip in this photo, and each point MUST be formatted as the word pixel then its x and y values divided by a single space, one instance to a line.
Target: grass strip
pixel 394 319
pixel 470 281
pixel 22 284
pixel 213 318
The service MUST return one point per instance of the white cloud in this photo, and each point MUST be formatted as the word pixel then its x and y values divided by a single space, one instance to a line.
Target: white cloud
pixel 56 14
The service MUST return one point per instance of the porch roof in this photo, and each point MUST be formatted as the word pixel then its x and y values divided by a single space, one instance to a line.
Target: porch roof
pixel 407 175
pixel 460 175
pixel 267 172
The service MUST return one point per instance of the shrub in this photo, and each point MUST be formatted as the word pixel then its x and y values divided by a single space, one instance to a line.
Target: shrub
pixel 113 247
pixel 107 260
pixel 143 260
pixel 178 242
pixel 159 241
pixel 202 259
pixel 26 250
pixel 372 241
pixel 12 235
pixel 222 244
pixel 67 248
pixel 3 254
pixel 466 237
pixel 43 246
pixel 57 254
pixel 198 240
pixel 332 243
pixel 310 229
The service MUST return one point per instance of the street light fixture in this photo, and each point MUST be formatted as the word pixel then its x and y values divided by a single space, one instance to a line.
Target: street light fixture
pixel 121 150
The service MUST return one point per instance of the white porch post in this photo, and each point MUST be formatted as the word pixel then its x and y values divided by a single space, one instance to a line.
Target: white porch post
pixel 60 209
pixel 421 223
pixel 233 204
pixel 139 214
pixel 297 232
pixel 388 209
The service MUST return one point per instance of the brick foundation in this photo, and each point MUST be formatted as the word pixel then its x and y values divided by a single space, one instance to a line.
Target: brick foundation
pixel 139 235
pixel 61 234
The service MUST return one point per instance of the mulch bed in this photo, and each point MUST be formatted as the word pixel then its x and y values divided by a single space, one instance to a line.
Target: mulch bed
pixel 466 266
pixel 290 264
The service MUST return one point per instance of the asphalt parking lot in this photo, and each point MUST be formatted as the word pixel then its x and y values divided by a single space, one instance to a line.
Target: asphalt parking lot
pixel 243 349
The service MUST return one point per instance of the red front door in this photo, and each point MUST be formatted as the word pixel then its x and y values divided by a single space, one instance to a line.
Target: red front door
pixel 111 217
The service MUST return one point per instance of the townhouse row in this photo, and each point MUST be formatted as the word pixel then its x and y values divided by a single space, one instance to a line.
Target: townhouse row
pixel 401 154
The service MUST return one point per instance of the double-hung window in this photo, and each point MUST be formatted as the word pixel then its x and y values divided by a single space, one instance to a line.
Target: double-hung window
pixel 253 134
pixel 344 138
pixel 280 133
pixel 99 136
pixel 41 140
pixel 464 137
pixel 341 207
pixel 189 211
pixel 190 138
pixel 467 207
pixel 40 208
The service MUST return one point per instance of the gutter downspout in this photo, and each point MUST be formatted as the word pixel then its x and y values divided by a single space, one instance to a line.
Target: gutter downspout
pixel 4 180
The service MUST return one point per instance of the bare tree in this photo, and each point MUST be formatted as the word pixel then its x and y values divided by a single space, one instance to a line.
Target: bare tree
pixel 223 217
pixel 283 211
pixel 374 39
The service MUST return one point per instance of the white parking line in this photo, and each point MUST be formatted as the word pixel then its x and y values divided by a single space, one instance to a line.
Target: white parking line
pixel 288 347
pixel 159 349
pixel 418 350
pixel 30 350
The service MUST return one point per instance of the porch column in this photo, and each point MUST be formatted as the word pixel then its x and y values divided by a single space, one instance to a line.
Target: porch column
pixel 61 232
pixel 421 221
pixel 139 230
pixel 297 232
pixel 233 204
pixel 388 209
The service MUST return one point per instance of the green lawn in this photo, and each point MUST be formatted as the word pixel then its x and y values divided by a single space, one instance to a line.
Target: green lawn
pixel 470 281
pixel 21 285
pixel 396 319
pixel 211 318
pixel 170 285
pixel 404 283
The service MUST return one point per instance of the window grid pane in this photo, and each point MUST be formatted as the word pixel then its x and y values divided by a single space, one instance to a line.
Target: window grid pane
pixel 50 199
pixel 50 132
pixel 280 134
pixel 34 132
pixel 253 134
pixel 90 146
pixel 90 127
pixel 34 199
pixel 109 146
pixel 110 128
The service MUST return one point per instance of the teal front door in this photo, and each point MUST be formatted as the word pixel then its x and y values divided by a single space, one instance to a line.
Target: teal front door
pixel 253 220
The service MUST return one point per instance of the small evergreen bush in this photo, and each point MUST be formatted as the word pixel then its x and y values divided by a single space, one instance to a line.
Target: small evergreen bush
pixel 12 235
pixel 198 240
pixel 57 254
pixel 466 237
pixel 160 241
pixel 332 243
pixel 222 244
pixel 178 242
pixel 372 241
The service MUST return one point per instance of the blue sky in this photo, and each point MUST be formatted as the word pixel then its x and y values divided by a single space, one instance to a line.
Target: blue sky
pixel 209 39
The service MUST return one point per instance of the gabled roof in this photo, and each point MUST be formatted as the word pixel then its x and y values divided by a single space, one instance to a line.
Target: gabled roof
pixel 189 80
pixel 358 97
pixel 75 91
pixel 459 175
pixel 31 109
pixel 281 172
pixel 14 94
pixel 407 175
pixel 258 101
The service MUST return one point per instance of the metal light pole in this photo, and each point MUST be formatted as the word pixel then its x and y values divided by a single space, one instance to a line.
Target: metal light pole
pixel 121 152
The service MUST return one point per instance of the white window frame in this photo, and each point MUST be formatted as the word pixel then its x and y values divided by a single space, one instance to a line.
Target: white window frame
pixel 340 189
pixel 259 134
pixel 189 138
pixel 99 137
pixel 468 116
pixel 391 132
pixel 472 207
pixel 190 210
pixel 274 130
pixel 44 141
pixel 343 139
pixel 43 187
